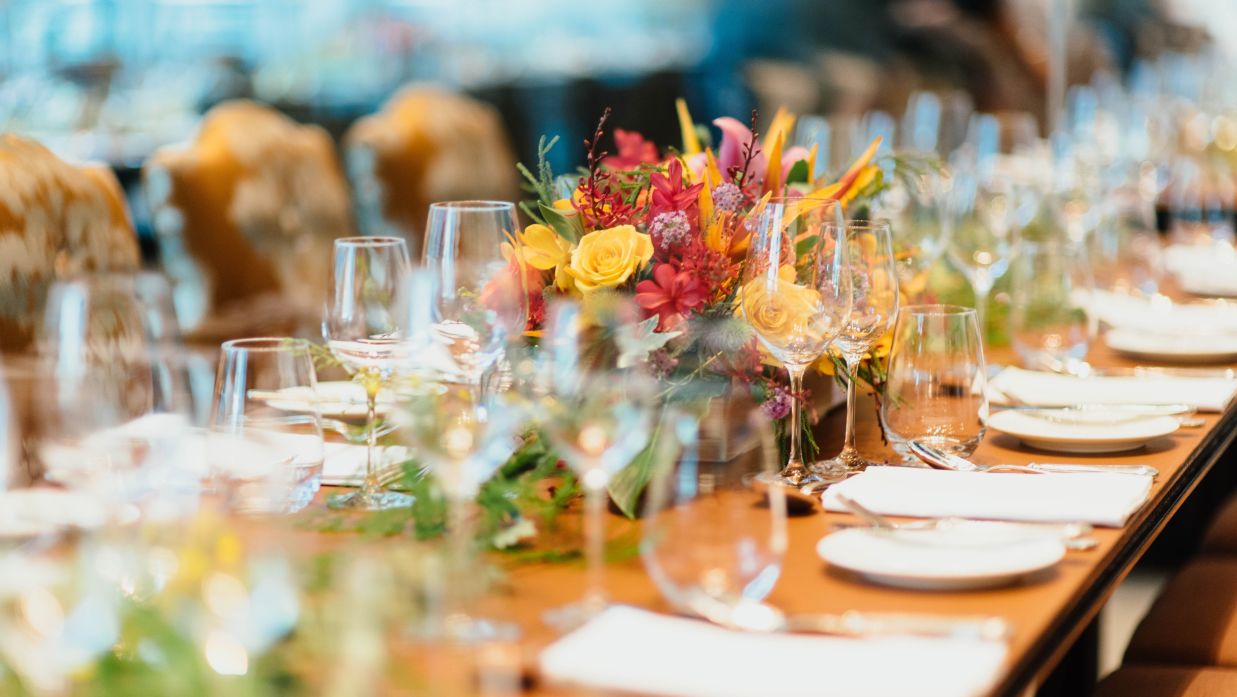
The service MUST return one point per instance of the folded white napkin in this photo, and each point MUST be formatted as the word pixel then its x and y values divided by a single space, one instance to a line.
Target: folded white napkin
pixel 1099 499
pixel 1162 316
pixel 1053 390
pixel 343 464
pixel 645 653
pixel 1204 269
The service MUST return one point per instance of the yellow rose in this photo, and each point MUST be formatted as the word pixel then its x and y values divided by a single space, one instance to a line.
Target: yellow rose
pixel 607 258
pixel 783 313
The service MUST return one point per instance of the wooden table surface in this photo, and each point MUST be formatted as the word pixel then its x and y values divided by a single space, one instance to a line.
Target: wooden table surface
pixel 1047 613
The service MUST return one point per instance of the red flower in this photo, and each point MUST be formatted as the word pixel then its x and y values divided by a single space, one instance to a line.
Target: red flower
pixel 669 293
pixel 669 194
pixel 633 151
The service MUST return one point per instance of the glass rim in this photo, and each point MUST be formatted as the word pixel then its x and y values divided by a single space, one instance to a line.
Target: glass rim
pixel 473 205
pixel 938 309
pixel 266 344
pixel 370 241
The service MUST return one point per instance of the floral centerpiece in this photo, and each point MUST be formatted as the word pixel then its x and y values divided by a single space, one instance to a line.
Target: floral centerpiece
pixel 670 228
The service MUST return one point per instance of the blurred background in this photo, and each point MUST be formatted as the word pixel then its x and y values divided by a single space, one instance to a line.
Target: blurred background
pixel 113 80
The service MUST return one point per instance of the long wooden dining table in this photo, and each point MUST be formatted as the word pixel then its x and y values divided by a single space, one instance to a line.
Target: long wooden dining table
pixel 1047 612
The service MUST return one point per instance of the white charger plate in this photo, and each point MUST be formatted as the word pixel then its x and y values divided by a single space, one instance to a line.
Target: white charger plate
pixel 965 556
pixel 1175 348
pixel 38 511
pixel 1089 435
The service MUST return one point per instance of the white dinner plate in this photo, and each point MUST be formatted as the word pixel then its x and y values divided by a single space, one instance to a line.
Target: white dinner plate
pixel 42 511
pixel 1094 434
pixel 336 399
pixel 962 557
pixel 1174 348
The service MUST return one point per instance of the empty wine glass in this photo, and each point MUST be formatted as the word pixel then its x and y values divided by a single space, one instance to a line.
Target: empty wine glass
pixel 795 295
pixel 598 416
pixel 268 460
pixel 462 446
pixel 482 302
pixel 362 329
pixel 935 388
pixel 711 543
pixel 1049 325
pixel 116 411
pixel 873 279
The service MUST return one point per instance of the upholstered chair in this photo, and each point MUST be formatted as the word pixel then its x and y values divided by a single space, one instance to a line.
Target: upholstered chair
pixel 246 215
pixel 426 145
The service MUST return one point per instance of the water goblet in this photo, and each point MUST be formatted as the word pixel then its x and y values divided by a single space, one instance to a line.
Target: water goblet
pixel 935 387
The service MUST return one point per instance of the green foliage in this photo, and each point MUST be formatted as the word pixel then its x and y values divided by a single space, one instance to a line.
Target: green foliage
pixel 541 184
pixel 799 173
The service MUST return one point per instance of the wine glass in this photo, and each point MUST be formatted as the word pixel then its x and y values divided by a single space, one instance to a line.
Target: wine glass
pixel 462 446
pixel 935 387
pixel 1049 325
pixel 483 296
pixel 711 543
pixel 269 459
pixel 795 295
pixel 598 417
pixel 873 279
pixel 116 416
pixel 362 330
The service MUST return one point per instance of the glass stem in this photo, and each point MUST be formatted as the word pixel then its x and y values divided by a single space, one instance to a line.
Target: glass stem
pixel 849 451
pixel 983 288
pixel 372 384
pixel 795 470
pixel 595 541
pixel 461 533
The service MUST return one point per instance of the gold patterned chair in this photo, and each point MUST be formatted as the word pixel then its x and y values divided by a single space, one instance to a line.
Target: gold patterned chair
pixel 246 216
pixel 425 145
pixel 57 221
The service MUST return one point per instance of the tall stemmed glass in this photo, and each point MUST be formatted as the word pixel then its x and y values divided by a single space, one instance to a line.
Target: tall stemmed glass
pixel 796 296
pixel 464 245
pixel 362 329
pixel 597 414
pixel 873 274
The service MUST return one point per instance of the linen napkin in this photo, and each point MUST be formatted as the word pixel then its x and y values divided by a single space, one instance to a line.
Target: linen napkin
pixel 1204 269
pixel 343 464
pixel 1100 499
pixel 637 651
pixel 1053 390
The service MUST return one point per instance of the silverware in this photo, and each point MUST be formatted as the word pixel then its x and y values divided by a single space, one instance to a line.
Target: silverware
pixel 1083 369
pixel 1075 536
pixel 939 459
pixel 753 616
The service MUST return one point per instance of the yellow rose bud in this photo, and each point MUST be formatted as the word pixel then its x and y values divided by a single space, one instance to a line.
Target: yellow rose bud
pixel 608 258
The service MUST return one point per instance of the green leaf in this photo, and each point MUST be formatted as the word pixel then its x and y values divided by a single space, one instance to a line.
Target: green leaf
pixel 568 227
pixel 627 486
pixel 646 339
pixel 806 244
pixel 798 173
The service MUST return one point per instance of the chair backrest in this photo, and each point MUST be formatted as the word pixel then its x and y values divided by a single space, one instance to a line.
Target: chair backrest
pixel 249 209
pixel 426 145
pixel 57 220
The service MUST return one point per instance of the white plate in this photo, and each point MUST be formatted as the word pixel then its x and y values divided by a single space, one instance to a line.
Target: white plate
pixel 1176 348
pixel 964 556
pixel 337 399
pixel 42 511
pixel 1090 435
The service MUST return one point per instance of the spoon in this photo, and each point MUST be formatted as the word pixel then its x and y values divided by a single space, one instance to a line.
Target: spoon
pixel 941 460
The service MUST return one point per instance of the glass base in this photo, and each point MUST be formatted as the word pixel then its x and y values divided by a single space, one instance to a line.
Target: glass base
pixel 363 501
pixel 573 616
pixel 845 464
